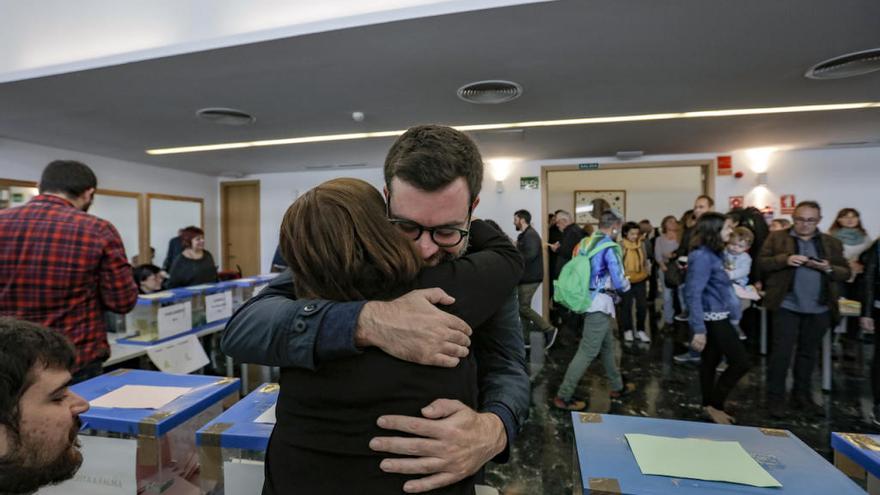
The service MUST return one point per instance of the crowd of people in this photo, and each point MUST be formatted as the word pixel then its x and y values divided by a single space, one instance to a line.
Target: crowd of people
pixel 401 321
pixel 709 272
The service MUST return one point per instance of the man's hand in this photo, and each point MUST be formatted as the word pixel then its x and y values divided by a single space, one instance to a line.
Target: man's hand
pixel 554 246
pixel 797 260
pixel 821 265
pixel 411 328
pixel 867 323
pixel 698 343
pixel 454 442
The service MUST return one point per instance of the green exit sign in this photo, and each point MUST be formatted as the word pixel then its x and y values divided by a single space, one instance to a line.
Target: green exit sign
pixel 588 166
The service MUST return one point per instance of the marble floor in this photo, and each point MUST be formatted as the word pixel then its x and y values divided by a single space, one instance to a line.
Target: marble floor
pixel 541 461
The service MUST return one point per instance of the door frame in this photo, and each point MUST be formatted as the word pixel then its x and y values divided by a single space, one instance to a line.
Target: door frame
pixel 224 224
pixel 707 170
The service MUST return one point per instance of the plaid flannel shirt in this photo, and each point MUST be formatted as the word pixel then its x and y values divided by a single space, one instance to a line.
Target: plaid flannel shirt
pixel 62 268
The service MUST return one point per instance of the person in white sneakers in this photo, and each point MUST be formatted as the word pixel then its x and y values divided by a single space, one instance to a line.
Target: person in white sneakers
pixel 637 269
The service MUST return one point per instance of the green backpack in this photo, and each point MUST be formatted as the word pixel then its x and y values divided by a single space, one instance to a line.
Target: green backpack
pixel 572 288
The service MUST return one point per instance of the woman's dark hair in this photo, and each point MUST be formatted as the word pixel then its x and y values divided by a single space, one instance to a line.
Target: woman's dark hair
pixel 688 215
pixel 844 212
pixel 143 272
pixel 24 345
pixel 431 157
pixel 627 227
pixel 188 234
pixel 340 246
pixel 67 177
pixel 495 225
pixel 708 232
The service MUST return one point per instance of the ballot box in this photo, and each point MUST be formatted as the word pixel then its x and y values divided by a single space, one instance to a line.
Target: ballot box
pixel 158 316
pixel 232 447
pixel 242 289
pixel 156 414
pixel 605 461
pixel 858 455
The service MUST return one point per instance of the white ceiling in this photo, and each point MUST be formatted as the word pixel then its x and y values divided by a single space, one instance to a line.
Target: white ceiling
pixel 573 59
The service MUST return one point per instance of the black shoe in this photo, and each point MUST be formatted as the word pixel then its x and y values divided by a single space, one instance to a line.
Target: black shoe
pixel 776 409
pixel 806 406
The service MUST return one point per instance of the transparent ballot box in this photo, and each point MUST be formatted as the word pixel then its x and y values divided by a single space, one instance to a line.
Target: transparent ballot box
pixel 161 412
pixel 115 323
pixel 232 447
pixel 196 294
pixel 242 290
pixel 159 316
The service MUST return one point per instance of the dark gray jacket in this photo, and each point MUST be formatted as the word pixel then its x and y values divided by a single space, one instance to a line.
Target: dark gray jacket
pixel 529 244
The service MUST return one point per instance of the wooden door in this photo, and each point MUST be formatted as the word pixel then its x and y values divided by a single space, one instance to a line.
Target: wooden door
pixel 240 219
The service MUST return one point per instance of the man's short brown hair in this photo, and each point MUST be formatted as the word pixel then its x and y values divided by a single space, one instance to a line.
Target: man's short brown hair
pixel 431 157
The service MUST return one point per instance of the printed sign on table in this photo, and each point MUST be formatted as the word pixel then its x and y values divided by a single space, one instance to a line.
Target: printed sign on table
pixel 108 468
pixel 218 306
pixel 175 319
pixel 181 356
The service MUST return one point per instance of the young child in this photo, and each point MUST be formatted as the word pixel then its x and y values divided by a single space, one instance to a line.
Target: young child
pixel 738 265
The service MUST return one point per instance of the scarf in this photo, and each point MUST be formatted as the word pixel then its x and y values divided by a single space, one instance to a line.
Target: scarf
pixel 850 236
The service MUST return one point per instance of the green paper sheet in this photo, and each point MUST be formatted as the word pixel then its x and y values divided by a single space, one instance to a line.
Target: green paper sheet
pixel 697 458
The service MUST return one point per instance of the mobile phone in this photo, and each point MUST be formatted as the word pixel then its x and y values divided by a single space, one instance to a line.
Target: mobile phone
pixel 816 260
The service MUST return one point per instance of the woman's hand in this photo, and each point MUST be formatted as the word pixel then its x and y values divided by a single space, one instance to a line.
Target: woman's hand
pixel 698 343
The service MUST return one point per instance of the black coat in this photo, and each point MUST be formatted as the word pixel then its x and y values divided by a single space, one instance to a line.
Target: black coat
pixel 529 244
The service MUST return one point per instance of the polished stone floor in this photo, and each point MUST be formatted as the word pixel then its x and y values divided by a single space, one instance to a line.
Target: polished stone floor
pixel 541 461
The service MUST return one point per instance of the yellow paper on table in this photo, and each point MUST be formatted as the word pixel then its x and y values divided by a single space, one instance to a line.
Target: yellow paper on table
pixel 697 458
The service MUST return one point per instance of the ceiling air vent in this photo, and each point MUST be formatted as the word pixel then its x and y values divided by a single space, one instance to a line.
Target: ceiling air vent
pixel 849 65
pixel 489 92
pixel 225 116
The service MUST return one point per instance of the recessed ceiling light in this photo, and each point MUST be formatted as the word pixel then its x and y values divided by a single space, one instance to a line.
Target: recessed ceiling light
pixel 849 65
pixel 225 116
pixel 522 125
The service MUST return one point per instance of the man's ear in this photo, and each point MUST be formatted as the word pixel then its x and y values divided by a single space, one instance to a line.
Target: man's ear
pixel 475 203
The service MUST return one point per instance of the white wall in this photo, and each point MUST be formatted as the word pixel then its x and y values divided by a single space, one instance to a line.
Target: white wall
pixel 25 161
pixel 651 193
pixel 279 191
pixel 836 178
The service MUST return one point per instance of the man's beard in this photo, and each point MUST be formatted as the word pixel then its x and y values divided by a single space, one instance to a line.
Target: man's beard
pixel 442 255
pixel 21 472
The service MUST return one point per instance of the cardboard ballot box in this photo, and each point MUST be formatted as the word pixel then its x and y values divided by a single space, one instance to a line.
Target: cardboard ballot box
pixel 232 447
pixel 158 317
pixel 157 414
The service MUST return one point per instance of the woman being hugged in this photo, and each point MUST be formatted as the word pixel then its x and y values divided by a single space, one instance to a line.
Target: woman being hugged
pixel 340 246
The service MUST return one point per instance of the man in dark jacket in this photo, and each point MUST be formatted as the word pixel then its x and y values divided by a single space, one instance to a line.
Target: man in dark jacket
pixel 571 235
pixel 802 268
pixel 530 247
pixel 870 314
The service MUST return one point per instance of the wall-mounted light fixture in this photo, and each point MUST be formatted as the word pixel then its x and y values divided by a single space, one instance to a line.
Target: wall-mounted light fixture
pixel 500 169
pixel 759 159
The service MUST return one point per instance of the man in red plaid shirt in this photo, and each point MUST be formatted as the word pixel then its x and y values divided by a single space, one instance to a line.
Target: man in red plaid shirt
pixel 61 267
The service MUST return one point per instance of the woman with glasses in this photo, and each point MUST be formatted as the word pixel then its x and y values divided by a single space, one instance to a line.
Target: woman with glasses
pixel 340 245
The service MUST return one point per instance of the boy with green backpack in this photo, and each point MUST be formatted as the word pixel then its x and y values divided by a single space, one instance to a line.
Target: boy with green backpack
pixel 587 284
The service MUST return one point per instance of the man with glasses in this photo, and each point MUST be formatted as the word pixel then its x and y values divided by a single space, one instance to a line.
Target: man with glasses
pixel 433 175
pixel 802 267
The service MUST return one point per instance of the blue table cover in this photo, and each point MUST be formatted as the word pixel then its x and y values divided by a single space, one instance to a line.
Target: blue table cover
pixel 608 465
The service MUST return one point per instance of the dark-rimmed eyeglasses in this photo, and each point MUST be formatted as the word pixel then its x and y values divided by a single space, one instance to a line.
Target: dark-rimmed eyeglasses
pixel 445 237
pixel 808 221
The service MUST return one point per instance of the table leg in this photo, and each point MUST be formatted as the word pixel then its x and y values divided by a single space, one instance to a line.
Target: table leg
pixel 763 330
pixel 244 380
pixel 230 367
pixel 826 361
